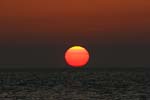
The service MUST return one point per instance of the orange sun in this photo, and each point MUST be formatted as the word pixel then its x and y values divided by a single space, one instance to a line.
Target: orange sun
pixel 77 56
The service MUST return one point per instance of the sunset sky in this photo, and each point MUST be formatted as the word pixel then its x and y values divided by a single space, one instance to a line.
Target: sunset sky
pixel 39 31
pixel 51 21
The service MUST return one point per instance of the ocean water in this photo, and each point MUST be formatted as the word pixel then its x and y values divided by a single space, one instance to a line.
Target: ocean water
pixel 75 85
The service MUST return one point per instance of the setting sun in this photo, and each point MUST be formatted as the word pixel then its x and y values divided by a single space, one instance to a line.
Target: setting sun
pixel 77 56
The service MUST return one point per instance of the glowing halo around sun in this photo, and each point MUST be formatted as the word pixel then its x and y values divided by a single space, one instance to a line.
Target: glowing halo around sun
pixel 77 56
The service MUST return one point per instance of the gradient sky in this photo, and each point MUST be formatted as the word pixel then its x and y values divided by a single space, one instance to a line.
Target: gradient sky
pixel 51 21
pixel 31 30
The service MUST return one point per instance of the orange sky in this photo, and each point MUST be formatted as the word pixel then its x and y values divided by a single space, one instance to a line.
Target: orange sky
pixel 93 20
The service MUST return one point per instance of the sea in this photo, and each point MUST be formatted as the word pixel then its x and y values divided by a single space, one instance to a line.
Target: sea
pixel 75 84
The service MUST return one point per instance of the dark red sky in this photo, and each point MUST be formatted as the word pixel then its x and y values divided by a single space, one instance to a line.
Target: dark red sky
pixel 98 21
pixel 27 26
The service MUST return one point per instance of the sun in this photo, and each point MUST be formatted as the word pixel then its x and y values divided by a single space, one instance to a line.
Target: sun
pixel 77 56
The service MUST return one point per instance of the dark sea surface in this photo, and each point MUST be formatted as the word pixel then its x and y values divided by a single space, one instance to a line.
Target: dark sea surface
pixel 75 84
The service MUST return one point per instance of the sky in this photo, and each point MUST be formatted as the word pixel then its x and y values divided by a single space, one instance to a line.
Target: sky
pixel 28 26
